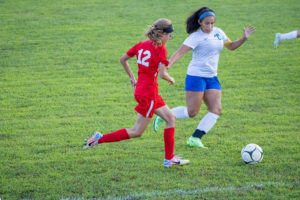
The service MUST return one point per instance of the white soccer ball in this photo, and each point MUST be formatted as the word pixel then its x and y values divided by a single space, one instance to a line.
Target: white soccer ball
pixel 252 154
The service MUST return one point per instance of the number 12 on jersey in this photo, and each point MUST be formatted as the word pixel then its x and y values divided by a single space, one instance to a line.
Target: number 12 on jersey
pixel 146 56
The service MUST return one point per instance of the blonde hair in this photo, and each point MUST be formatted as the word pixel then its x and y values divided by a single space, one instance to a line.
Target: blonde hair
pixel 155 32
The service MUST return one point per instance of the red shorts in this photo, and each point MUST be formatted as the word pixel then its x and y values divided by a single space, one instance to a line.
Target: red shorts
pixel 147 106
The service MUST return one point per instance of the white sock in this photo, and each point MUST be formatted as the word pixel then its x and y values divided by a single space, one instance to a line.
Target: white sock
pixel 207 122
pixel 180 112
pixel 288 36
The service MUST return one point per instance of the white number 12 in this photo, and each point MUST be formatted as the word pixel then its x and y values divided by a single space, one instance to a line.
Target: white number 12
pixel 143 61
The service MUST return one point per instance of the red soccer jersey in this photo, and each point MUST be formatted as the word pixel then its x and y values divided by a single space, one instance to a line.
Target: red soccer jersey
pixel 148 57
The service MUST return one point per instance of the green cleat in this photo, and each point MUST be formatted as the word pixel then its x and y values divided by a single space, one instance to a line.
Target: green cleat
pixel 277 40
pixel 195 142
pixel 157 122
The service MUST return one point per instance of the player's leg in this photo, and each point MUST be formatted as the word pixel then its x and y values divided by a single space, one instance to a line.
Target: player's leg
pixel 277 40
pixel 194 87
pixel 145 110
pixel 193 102
pixel 165 113
pixel 285 36
pixel 139 127
pixel 289 36
pixel 212 99
pixel 180 112
pixel 121 134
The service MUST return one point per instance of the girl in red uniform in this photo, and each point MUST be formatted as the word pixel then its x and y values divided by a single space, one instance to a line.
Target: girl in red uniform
pixel 152 61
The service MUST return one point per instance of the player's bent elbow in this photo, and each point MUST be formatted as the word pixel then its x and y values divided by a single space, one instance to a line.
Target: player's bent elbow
pixel 124 58
pixel 231 48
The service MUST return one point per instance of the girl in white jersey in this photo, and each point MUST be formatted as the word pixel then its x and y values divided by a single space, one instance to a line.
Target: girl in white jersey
pixel 206 42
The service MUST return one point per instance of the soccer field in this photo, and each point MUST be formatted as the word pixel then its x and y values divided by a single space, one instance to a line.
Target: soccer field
pixel 61 79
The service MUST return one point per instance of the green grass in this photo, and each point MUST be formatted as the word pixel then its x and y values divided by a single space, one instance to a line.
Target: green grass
pixel 60 79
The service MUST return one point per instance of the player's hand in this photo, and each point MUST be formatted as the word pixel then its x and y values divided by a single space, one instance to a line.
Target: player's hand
pixel 171 81
pixel 249 31
pixel 133 82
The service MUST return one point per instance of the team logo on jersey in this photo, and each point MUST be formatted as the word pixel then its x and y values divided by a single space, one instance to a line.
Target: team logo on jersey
pixel 217 35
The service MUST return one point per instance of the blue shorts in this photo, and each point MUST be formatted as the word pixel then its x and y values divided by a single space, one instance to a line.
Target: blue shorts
pixel 197 83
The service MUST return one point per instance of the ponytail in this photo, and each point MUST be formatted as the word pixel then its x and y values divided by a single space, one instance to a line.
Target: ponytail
pixel 156 31
pixel 192 24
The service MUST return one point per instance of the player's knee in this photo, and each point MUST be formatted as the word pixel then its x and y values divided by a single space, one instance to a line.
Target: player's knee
pixel 133 133
pixel 217 111
pixel 171 119
pixel 137 134
pixel 192 113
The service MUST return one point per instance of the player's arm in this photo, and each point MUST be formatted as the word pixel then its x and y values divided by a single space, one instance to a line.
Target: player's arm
pixel 164 74
pixel 124 61
pixel 178 54
pixel 237 43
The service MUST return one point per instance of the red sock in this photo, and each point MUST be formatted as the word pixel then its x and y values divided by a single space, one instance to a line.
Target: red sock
pixel 115 136
pixel 169 143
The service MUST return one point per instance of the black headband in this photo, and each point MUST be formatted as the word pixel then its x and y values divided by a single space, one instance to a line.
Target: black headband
pixel 169 29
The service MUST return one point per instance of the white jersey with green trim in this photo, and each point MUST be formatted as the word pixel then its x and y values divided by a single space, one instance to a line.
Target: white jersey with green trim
pixel 206 51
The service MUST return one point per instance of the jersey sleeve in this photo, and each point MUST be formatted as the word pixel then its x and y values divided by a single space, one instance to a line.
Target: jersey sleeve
pixel 190 41
pixel 163 56
pixel 132 52
pixel 224 37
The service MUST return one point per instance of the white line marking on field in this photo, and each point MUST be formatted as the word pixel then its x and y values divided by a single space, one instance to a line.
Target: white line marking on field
pixel 192 192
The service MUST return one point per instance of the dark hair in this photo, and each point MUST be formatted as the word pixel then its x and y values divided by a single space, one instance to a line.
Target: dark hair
pixel 192 24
